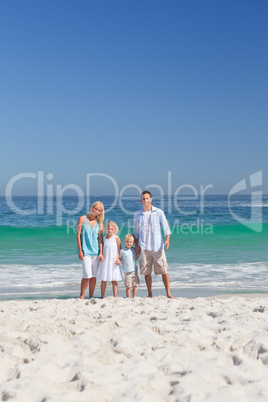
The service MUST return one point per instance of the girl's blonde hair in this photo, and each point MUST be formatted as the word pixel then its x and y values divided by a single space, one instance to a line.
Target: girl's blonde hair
pixel 100 218
pixel 112 223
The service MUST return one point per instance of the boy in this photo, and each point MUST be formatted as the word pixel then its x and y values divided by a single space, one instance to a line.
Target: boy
pixel 128 257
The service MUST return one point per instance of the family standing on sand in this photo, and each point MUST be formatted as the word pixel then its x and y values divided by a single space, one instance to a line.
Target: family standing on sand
pixel 101 252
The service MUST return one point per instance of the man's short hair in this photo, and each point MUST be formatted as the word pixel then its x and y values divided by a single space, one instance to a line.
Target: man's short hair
pixel 146 192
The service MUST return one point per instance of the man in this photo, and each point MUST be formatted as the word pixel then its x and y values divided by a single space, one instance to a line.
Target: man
pixel 148 225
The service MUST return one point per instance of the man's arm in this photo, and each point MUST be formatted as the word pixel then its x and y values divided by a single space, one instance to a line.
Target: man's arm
pixel 136 233
pixel 166 229
pixel 137 247
pixel 167 242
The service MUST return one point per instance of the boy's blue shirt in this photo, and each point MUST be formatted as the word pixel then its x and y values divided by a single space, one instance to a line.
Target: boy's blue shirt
pixel 128 259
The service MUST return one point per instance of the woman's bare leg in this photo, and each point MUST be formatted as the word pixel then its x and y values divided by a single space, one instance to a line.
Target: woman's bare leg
pixel 84 284
pixel 92 284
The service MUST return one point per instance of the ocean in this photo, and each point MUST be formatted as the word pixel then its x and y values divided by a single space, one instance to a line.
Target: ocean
pixel 217 245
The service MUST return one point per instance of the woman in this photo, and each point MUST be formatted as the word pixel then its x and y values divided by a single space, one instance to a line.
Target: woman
pixel 89 236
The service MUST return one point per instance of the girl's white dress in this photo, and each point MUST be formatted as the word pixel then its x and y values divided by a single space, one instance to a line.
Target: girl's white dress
pixel 108 270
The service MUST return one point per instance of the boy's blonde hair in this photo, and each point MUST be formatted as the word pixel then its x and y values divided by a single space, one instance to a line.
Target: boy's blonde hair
pixel 112 223
pixel 100 218
pixel 129 236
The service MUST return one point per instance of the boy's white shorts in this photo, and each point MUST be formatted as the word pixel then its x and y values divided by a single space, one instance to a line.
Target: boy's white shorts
pixel 90 265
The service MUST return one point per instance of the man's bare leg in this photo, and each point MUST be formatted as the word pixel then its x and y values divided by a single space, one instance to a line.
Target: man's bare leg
pixel 165 279
pixel 134 291
pixel 92 284
pixel 103 288
pixel 115 288
pixel 84 284
pixel 128 292
pixel 148 280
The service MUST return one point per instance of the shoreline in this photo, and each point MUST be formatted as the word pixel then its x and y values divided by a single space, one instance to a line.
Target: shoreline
pixel 188 293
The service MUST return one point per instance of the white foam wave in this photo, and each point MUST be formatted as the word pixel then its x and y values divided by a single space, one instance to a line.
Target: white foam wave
pixel 54 278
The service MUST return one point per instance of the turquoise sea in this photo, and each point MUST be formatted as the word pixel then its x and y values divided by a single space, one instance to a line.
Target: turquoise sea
pixel 215 248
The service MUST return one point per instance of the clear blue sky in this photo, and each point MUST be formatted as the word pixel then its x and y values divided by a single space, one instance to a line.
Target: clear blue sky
pixel 134 89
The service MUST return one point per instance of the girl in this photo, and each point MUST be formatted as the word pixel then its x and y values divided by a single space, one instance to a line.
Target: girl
pixel 109 260
pixel 89 235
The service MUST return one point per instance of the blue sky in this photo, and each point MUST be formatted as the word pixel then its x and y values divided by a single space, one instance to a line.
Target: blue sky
pixel 134 90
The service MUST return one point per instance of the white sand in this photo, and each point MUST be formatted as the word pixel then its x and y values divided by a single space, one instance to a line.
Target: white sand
pixel 134 350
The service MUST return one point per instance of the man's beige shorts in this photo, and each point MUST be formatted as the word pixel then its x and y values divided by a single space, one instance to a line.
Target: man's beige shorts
pixel 148 257
pixel 131 279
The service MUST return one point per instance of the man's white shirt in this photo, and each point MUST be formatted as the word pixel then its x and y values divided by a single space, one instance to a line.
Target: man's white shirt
pixel 148 229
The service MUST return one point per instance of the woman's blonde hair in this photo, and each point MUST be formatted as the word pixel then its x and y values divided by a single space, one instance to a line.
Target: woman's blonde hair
pixel 113 224
pixel 100 218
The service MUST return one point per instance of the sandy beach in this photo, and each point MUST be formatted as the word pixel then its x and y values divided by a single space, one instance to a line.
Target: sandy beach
pixel 204 349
